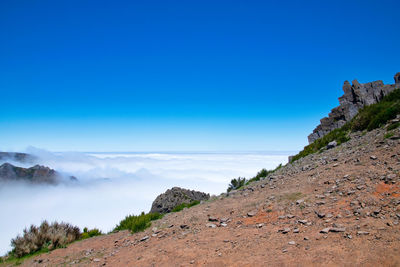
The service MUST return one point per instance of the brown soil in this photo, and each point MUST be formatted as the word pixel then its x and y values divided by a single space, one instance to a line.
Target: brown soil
pixel 344 185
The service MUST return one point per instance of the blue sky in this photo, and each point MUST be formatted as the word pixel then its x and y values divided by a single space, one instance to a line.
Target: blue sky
pixel 184 75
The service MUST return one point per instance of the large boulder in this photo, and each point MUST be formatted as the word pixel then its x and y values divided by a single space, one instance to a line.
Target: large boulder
pixel 175 196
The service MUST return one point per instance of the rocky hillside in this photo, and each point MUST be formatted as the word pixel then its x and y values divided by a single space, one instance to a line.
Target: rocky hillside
pixel 37 174
pixel 340 207
pixel 335 204
pixel 356 96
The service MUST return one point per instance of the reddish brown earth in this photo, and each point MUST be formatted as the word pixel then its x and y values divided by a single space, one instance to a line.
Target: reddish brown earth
pixel 354 193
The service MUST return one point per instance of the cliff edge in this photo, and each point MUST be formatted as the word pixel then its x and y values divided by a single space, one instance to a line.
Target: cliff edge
pixel 356 96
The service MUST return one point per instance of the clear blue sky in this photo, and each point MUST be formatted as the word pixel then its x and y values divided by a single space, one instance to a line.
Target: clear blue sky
pixel 184 75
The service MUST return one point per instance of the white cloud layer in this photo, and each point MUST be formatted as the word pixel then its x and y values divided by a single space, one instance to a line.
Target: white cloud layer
pixel 112 185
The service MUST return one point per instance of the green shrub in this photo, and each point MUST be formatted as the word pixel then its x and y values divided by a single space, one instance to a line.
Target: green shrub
pixel 90 233
pixel 44 238
pixel 137 223
pixel 393 126
pixel 339 135
pixel 388 135
pixel 185 205
pixel 236 183
pixel 262 174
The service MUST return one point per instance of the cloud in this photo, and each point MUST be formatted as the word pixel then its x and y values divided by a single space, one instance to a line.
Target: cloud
pixel 112 186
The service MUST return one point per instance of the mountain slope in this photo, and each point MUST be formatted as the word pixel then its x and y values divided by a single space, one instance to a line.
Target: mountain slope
pixel 337 208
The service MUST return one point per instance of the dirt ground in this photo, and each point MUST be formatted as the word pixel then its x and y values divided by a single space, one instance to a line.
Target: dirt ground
pixel 336 208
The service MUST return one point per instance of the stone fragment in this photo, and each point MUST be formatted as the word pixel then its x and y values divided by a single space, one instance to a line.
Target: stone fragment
pixel 212 219
pixel 325 230
pixel 362 233
pixel 144 238
pixel 252 213
pixel 337 230
pixel 331 145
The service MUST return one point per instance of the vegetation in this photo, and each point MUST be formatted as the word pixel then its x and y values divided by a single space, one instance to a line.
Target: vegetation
pixel 388 135
pixel 262 174
pixel 239 182
pixel 11 259
pixel 236 183
pixel 393 126
pixel 137 223
pixel 185 205
pixel 90 233
pixel 368 118
pixel 44 238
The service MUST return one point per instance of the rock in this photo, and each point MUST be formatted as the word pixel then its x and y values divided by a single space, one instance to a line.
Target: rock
pixel 356 96
pixel 286 230
pixel 300 201
pixel 331 145
pixel 362 233
pixel 211 225
pixel 184 226
pixel 96 260
pixel 302 221
pixel 175 196
pixel 325 230
pixel 320 214
pixel 37 174
pixel 336 229
pixel 224 220
pixel 212 219
pixel 252 213
pixel 144 238
pixel 292 243
pixel 373 157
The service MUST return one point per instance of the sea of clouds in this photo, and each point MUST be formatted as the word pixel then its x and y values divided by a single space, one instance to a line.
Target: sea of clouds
pixel 113 185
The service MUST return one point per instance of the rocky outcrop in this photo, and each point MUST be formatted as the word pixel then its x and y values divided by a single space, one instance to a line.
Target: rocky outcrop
pixel 356 96
pixel 19 157
pixel 37 174
pixel 175 196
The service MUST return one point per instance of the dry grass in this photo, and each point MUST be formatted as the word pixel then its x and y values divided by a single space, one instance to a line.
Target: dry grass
pixel 46 236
